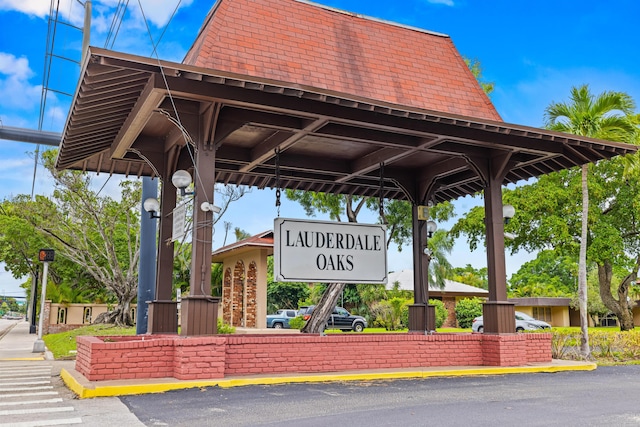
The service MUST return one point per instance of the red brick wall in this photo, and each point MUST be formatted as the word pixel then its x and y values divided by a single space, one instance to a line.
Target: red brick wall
pixel 226 296
pixel 105 358
pixel 251 295
pixel 450 305
pixel 237 295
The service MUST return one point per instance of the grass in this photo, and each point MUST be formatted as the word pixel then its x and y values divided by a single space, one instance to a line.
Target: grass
pixel 63 344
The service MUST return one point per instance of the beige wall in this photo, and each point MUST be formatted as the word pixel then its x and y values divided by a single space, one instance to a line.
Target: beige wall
pixel 560 316
pixel 63 317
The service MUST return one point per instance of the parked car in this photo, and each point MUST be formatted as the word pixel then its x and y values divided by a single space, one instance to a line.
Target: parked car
pixel 281 319
pixel 340 319
pixel 524 322
pixel 304 312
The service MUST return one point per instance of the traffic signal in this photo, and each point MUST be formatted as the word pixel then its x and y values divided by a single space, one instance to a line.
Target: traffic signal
pixel 46 255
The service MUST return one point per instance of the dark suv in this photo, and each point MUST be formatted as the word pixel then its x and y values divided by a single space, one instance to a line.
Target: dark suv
pixel 340 319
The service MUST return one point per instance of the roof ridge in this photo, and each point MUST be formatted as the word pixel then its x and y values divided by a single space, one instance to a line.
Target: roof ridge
pixel 371 18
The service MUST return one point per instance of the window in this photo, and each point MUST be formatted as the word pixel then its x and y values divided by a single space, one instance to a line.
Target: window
pixel 86 317
pixel 62 315
pixel 542 313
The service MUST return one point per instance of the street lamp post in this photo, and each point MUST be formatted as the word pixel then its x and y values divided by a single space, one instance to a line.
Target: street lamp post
pixel 45 256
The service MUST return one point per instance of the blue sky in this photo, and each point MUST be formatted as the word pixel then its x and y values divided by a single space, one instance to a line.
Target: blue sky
pixel 534 52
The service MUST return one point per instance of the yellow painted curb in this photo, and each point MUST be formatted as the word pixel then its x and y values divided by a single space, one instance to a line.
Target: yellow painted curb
pixel 123 390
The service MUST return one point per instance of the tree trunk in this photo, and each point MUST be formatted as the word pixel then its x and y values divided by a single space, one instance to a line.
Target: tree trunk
pixel 585 351
pixel 324 308
pixel 119 316
pixel 619 307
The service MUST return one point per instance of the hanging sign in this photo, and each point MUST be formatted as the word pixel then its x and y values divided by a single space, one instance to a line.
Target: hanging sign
pixel 329 252
pixel 179 217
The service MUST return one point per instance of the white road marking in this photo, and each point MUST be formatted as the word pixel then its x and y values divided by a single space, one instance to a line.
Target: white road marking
pixel 43 387
pixel 2 384
pixel 39 423
pixel 36 393
pixel 37 411
pixel 31 402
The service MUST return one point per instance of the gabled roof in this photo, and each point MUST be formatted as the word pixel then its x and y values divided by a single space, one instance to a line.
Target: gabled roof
pixel 309 44
pixel 451 287
pixel 261 240
pixel 138 116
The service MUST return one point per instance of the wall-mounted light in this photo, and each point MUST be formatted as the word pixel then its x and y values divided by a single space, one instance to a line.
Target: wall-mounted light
pixel 209 207
pixel 508 212
pixel 431 228
pixel 152 206
pixel 181 180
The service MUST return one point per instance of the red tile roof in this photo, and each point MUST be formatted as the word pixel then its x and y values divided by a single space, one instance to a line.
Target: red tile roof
pixel 308 44
pixel 262 240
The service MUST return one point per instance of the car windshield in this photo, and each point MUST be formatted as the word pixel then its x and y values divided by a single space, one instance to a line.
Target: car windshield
pixel 522 316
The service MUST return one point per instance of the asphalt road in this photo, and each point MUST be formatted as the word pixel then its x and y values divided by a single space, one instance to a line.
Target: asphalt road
pixel 608 396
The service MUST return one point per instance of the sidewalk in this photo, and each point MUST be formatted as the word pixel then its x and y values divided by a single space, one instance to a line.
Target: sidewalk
pixel 17 344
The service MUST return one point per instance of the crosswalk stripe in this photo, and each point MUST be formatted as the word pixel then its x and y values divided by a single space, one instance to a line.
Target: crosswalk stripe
pixel 41 387
pixel 26 383
pixel 26 374
pixel 37 400
pixel 32 402
pixel 35 393
pixel 36 411
pixel 40 423
pixel 22 368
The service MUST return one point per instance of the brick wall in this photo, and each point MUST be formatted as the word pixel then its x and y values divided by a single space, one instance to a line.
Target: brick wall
pixel 450 305
pixel 226 296
pixel 191 358
pixel 251 289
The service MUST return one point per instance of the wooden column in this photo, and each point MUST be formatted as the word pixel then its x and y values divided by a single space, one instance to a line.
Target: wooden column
pixel 422 316
pixel 498 314
pixel 163 311
pixel 199 309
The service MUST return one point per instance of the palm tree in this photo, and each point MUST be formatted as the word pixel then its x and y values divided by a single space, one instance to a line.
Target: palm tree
pixel 606 117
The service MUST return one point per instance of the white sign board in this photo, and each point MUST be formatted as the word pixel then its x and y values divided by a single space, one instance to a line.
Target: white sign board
pixel 179 217
pixel 329 252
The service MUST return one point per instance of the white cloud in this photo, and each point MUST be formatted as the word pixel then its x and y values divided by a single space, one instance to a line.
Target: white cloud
pixel 70 10
pixel 444 2
pixel 157 12
pixel 16 67
pixel 15 89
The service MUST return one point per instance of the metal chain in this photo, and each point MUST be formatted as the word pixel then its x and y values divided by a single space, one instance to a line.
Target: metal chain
pixel 278 180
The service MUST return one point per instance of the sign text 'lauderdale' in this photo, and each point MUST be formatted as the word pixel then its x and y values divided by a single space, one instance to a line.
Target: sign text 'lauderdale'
pixel 319 251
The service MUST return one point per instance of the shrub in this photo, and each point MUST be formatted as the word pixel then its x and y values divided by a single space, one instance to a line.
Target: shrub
pixel 441 312
pixel 466 310
pixel 223 328
pixel 297 322
pixel 389 313
pixel 563 343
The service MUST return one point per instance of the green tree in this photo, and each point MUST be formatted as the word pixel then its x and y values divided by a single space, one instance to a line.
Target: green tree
pixel 471 276
pixel 476 70
pixel 468 309
pixel 607 117
pixel 550 274
pixel 96 234
pixel 285 295
pixel 441 312
pixel 240 234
